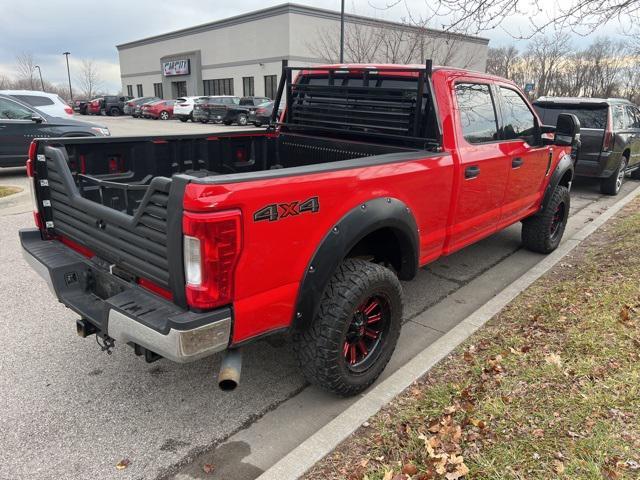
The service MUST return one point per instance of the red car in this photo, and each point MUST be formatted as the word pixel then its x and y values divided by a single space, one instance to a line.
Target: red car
pixel 162 109
pixel 183 246
pixel 95 106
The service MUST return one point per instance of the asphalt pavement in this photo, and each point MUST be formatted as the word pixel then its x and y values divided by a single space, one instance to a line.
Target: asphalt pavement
pixel 71 411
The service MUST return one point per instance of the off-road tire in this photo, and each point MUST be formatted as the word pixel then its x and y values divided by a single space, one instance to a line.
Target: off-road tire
pixel 613 184
pixel 114 112
pixel 538 233
pixel 319 346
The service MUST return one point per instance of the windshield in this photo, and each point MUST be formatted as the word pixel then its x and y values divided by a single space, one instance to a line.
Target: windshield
pixel 590 116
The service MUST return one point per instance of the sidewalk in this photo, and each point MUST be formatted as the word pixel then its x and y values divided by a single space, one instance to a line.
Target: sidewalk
pixel 549 388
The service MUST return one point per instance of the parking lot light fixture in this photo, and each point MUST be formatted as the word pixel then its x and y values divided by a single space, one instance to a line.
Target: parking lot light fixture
pixel 66 54
pixel 40 73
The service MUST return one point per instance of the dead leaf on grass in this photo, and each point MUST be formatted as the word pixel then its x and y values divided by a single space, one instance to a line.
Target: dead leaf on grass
pixel 388 475
pixel 558 467
pixel 208 468
pixel 553 359
pixel 410 469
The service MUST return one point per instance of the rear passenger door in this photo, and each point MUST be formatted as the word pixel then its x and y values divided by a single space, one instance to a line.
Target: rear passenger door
pixel 526 158
pixel 633 125
pixel 483 173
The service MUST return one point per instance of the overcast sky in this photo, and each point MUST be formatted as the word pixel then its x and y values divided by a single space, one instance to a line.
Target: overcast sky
pixel 90 30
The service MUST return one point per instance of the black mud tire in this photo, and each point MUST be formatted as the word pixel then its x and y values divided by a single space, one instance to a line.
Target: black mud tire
pixel 542 232
pixel 635 174
pixel 114 112
pixel 184 119
pixel 320 346
pixel 613 184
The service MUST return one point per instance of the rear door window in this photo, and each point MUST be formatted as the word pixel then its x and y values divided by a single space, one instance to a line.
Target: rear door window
pixel 477 112
pixel 590 116
pixel 35 100
pixel 518 120
pixel 618 115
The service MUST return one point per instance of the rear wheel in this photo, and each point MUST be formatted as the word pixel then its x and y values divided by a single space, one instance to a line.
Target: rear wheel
pixel 352 338
pixel 613 184
pixel 184 119
pixel 203 120
pixel 242 119
pixel 164 115
pixel 114 112
pixel 542 232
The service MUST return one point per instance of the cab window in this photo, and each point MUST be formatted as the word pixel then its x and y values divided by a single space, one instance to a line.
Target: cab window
pixel 518 120
pixel 477 112
pixel 13 111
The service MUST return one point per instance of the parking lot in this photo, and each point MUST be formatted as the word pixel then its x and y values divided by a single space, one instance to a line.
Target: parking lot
pixel 71 411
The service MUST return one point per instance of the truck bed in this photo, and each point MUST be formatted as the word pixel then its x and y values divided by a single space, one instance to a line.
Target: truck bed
pixel 132 189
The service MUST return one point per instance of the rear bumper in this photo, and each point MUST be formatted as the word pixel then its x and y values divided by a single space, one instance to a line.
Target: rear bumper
pixel 124 311
pixel 599 164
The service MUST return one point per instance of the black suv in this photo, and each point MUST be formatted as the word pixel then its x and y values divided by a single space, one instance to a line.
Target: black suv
pixel 609 136
pixel 113 105
pixel 226 109
pixel 21 123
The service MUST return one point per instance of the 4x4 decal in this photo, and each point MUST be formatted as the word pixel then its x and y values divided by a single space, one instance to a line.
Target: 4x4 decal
pixel 276 211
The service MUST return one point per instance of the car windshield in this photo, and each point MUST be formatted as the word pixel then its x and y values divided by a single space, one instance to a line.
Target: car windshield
pixel 590 116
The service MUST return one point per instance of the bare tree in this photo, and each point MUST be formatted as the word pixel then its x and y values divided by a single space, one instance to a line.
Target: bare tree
pixel 501 61
pixel 89 78
pixel 25 65
pixel 580 16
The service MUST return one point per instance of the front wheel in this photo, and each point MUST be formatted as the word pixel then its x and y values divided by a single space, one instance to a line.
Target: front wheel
pixel 114 112
pixel 184 119
pixel 351 340
pixel 613 184
pixel 242 119
pixel 542 232
pixel 164 115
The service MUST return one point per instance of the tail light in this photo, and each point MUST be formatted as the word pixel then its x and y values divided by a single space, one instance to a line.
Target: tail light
pixel 212 245
pixel 69 110
pixel 608 140
pixel 261 111
pixel 31 164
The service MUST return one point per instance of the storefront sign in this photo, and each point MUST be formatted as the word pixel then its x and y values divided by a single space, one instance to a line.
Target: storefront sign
pixel 175 67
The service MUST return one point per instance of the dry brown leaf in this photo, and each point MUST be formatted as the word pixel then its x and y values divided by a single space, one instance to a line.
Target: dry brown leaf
pixel 553 359
pixel 558 467
pixel 460 471
pixel 122 464
pixel 208 468
pixel 410 469
pixel 388 475
pixel 538 433
pixel 478 423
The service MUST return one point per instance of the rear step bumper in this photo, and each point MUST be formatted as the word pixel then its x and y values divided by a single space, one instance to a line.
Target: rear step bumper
pixel 123 311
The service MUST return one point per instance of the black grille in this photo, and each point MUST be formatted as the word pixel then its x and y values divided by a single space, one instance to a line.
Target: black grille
pixel 136 243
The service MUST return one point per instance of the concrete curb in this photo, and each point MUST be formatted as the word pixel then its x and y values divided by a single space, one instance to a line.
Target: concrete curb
pixel 297 462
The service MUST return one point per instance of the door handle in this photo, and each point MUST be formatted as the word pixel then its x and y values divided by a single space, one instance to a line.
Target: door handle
pixel 471 172
pixel 517 162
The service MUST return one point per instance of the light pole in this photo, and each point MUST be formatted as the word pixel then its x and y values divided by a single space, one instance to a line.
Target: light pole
pixel 66 54
pixel 40 73
pixel 342 33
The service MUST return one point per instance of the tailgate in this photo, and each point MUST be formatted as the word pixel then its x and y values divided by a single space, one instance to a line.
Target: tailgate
pixel 125 225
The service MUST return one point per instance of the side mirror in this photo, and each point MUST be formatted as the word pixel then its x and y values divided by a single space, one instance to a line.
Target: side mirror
pixel 36 118
pixel 567 130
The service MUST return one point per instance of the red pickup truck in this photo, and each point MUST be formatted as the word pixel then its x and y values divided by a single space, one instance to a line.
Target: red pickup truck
pixel 182 246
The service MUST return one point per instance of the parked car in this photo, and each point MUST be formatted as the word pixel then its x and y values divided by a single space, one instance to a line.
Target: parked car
pixel 130 106
pixel 113 105
pixel 218 109
pixel 183 109
pixel 80 106
pixel 307 229
pixel 49 103
pixel 609 136
pixel 160 109
pixel 20 123
pixel 261 115
pixel 137 110
pixel 94 107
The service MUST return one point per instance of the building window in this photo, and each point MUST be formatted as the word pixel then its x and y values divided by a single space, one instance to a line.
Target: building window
pixel 130 90
pixel 157 90
pixel 270 86
pixel 221 86
pixel 247 87
pixel 139 87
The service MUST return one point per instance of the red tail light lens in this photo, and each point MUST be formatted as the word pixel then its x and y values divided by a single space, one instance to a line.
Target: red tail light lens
pixel 69 110
pixel 212 245
pixel 31 167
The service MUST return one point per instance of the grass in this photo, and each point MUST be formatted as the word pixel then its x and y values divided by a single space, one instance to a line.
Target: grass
pixel 550 388
pixel 6 191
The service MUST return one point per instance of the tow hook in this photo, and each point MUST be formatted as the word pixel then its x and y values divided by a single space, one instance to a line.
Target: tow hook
pixel 229 376
pixel 107 344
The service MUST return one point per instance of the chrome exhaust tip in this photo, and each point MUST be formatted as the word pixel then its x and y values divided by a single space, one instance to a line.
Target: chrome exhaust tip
pixel 230 368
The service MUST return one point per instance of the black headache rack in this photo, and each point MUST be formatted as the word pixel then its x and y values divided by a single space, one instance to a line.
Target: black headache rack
pixel 362 102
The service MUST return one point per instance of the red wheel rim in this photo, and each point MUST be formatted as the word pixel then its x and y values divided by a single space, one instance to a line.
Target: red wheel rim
pixel 558 219
pixel 364 337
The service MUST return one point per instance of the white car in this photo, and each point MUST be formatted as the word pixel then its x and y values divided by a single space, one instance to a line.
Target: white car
pixel 49 103
pixel 183 108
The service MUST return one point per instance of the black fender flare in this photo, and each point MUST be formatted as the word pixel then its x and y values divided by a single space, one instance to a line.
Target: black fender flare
pixel 564 165
pixel 355 225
